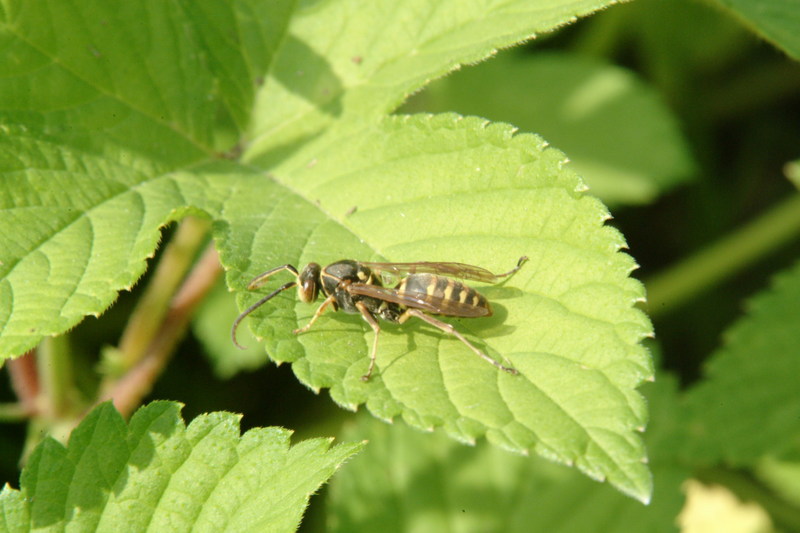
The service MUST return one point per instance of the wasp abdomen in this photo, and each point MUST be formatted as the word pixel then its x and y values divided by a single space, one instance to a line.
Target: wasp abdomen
pixel 435 290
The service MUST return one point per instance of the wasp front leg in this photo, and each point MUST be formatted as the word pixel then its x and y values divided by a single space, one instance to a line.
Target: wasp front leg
pixel 321 309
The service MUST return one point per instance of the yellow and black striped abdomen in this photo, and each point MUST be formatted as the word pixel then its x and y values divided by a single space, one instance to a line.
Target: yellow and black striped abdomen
pixel 448 296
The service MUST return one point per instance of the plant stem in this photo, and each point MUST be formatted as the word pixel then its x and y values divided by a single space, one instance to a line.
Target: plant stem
pixel 149 313
pixel 13 412
pixel 25 382
pixel 56 403
pixel 719 261
pixel 56 399
pixel 128 392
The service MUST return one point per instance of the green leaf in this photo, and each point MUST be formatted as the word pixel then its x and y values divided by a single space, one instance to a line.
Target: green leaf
pixel 760 357
pixel 474 193
pixel 218 310
pixel 424 188
pixel 111 92
pixel 376 56
pixel 240 41
pixel 66 255
pixel 406 480
pixel 619 136
pixel 101 79
pixel 774 20
pixel 160 475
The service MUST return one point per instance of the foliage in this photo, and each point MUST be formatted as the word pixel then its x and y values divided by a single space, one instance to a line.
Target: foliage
pixel 274 130
pixel 158 474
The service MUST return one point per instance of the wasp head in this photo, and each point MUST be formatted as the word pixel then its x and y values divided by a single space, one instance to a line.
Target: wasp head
pixel 308 283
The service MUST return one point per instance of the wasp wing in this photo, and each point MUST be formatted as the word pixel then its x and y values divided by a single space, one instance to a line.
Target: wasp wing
pixel 453 270
pixel 425 302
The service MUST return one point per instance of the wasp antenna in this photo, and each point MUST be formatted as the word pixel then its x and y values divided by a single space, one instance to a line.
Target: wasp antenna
pixel 255 306
pixel 262 278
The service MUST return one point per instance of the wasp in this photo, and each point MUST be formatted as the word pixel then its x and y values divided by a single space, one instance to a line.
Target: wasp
pixel 424 289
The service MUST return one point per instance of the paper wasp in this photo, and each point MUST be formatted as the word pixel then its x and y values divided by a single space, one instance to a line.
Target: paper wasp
pixel 424 288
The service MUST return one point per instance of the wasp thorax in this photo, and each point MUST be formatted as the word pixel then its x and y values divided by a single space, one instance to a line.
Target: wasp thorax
pixel 308 286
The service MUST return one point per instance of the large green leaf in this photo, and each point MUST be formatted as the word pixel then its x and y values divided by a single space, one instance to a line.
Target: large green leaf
pixel 77 228
pixel 619 136
pixel 446 188
pixel 760 357
pixel 409 481
pixel 344 62
pixel 775 20
pixel 108 88
pixel 424 188
pixel 157 474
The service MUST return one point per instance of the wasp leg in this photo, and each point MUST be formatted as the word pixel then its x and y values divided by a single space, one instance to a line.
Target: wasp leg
pixel 329 300
pixel 377 329
pixel 448 328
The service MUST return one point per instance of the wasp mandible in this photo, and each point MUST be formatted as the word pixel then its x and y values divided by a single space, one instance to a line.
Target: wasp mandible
pixel 424 288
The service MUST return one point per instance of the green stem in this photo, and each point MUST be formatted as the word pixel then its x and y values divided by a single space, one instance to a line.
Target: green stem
pixel 57 403
pixel 149 313
pixel 13 412
pixel 128 391
pixel 57 393
pixel 724 258
pixel 24 376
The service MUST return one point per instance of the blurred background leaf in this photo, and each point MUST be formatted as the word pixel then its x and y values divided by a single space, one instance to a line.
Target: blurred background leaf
pixel 619 135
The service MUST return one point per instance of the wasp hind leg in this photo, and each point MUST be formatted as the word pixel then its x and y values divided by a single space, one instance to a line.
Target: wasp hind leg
pixel 448 328
pixel 377 329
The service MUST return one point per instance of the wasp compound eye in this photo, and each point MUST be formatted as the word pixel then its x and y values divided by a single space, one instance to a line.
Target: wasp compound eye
pixel 308 279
